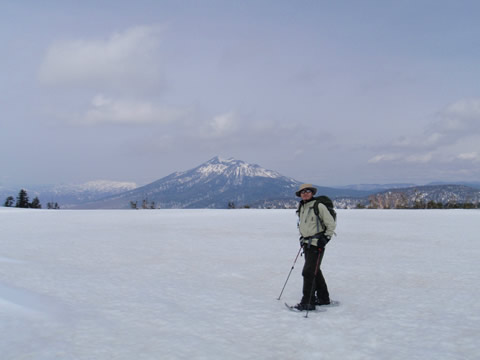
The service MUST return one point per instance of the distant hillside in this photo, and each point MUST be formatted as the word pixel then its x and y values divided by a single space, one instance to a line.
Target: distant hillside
pixel 416 196
pixel 70 195
pixel 374 188
pixel 472 184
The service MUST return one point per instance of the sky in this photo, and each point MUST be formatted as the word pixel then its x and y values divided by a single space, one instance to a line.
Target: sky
pixel 332 93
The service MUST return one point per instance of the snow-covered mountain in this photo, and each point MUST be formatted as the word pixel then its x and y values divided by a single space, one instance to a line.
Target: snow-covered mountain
pixel 69 195
pixel 221 183
pixel 217 183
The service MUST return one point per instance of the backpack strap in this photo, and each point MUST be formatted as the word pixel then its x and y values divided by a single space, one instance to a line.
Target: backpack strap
pixel 319 220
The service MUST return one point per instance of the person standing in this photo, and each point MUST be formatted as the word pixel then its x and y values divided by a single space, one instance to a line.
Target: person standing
pixel 316 232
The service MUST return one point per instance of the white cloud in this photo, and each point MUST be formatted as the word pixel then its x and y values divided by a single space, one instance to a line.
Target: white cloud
pixel 465 108
pixel 450 134
pixel 402 158
pixel 473 156
pixel 383 158
pixel 121 111
pixel 419 158
pixel 124 59
pixel 222 125
pixel 459 119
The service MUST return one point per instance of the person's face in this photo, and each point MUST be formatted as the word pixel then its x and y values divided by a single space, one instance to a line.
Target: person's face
pixel 306 194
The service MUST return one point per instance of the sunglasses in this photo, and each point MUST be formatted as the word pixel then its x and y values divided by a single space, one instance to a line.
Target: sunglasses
pixel 306 191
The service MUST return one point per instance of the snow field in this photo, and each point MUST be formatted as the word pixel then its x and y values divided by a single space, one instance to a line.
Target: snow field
pixel 202 284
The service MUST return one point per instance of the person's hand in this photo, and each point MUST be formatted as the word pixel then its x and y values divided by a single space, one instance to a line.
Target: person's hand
pixel 322 240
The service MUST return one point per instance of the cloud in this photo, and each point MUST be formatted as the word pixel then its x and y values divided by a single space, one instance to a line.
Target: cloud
pixel 382 158
pixel 420 158
pixel 424 158
pixel 458 120
pixel 464 109
pixel 119 73
pixel 105 109
pixel 471 156
pixel 222 125
pixel 444 138
pixel 399 157
pixel 424 141
pixel 128 58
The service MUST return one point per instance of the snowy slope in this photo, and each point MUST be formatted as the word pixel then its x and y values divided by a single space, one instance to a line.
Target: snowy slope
pixel 202 284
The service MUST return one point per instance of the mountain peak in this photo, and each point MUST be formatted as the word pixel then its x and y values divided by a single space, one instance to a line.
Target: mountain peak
pixel 234 168
pixel 213 184
pixel 220 160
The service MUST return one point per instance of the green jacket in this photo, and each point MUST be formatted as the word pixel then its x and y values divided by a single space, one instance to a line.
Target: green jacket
pixel 309 224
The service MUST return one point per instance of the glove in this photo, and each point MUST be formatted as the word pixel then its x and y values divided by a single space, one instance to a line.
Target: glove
pixel 322 240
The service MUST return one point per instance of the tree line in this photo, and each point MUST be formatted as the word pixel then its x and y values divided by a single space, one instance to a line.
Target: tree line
pixel 145 204
pixel 423 205
pixel 23 201
pixel 401 201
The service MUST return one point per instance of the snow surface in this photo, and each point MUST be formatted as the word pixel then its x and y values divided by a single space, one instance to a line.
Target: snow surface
pixel 203 284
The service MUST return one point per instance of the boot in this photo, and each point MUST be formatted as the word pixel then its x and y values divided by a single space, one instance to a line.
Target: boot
pixel 304 307
pixel 319 302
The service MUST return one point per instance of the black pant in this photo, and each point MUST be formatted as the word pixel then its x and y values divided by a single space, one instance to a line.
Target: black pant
pixel 312 255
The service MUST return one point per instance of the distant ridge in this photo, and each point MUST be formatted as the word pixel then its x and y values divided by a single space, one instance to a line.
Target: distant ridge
pixel 69 195
pixel 221 183
pixel 415 196
pixel 375 187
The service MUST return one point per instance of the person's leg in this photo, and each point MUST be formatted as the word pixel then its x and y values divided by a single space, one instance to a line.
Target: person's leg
pixel 308 273
pixel 323 297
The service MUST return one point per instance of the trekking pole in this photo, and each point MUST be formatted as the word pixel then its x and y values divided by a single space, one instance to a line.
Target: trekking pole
pixel 288 277
pixel 314 279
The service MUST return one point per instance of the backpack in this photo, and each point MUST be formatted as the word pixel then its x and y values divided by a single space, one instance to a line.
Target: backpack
pixel 325 200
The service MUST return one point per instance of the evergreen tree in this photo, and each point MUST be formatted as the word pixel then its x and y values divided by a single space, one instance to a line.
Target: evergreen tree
pixel 22 199
pixel 9 201
pixel 36 203
pixel 52 205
